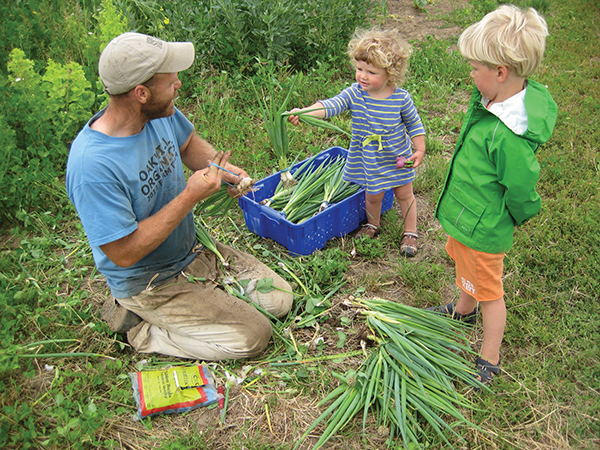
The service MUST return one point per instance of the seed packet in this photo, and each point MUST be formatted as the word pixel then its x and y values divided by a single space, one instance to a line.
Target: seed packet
pixel 173 390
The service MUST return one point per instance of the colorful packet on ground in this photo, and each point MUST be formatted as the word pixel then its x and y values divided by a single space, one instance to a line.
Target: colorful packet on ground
pixel 174 390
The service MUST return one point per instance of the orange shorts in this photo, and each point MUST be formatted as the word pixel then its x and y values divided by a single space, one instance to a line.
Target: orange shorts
pixel 479 274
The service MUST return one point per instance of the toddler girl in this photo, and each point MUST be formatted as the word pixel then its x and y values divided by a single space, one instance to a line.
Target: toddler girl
pixel 384 122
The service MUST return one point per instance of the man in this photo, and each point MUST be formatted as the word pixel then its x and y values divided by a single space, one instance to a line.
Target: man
pixel 126 180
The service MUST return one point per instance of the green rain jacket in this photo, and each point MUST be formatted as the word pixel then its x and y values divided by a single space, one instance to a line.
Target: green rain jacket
pixel 490 185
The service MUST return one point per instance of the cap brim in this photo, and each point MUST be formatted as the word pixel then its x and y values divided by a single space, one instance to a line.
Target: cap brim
pixel 180 56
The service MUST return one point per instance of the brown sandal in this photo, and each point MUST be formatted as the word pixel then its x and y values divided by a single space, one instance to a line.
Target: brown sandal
pixel 409 246
pixel 368 229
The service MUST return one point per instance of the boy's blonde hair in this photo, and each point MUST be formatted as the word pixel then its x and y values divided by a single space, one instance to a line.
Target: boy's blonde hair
pixel 383 49
pixel 508 36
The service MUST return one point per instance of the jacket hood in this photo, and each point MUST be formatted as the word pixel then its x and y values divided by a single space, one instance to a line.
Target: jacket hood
pixel 531 113
pixel 541 113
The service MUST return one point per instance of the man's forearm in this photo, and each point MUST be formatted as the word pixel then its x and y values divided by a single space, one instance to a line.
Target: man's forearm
pixel 154 230
pixel 151 232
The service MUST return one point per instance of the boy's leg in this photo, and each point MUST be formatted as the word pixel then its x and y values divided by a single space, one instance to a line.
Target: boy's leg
pixel 493 315
pixel 466 303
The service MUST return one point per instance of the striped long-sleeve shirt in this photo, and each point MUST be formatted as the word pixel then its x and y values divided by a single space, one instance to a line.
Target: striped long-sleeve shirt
pixel 381 131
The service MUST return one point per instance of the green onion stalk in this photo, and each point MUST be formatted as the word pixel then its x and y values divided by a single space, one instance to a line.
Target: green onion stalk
pixel 408 379
pixel 306 118
pixel 276 126
pixel 207 241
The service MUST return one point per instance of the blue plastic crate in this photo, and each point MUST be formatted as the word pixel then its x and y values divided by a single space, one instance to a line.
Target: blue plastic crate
pixel 336 220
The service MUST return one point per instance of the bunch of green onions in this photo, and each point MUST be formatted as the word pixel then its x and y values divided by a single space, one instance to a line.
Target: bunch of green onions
pixel 315 188
pixel 276 125
pixel 219 203
pixel 275 120
pixel 407 380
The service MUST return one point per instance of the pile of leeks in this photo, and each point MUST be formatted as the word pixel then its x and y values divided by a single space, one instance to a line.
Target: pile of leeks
pixel 408 379
pixel 316 187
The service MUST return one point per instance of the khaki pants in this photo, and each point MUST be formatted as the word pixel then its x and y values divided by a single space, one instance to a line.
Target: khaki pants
pixel 199 319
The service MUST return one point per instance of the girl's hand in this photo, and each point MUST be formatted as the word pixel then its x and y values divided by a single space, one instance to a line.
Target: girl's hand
pixel 295 120
pixel 417 157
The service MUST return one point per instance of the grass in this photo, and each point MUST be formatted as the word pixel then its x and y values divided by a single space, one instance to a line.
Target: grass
pixel 547 396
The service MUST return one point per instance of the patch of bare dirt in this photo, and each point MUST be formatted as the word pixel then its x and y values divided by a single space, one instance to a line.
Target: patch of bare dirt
pixel 415 24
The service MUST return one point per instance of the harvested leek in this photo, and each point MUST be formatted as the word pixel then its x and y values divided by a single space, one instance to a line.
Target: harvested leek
pixel 408 378
pixel 315 188
pixel 276 125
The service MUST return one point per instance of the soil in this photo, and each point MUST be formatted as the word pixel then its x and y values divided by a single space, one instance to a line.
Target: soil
pixel 257 418
pixel 416 24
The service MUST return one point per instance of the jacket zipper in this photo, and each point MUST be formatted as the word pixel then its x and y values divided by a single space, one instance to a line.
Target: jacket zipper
pixel 458 218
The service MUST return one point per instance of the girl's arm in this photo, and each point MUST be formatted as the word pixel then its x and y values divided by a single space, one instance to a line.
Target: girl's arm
pixel 419 145
pixel 320 112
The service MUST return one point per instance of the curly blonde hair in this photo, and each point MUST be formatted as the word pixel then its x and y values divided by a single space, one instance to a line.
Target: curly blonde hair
pixel 510 37
pixel 383 49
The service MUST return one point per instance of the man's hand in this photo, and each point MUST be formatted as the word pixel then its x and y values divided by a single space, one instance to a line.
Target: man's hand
pixel 205 182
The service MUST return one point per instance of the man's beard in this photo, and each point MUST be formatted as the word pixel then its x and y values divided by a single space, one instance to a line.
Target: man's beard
pixel 155 110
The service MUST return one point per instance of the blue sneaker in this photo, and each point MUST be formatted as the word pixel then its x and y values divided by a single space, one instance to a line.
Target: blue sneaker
pixel 448 310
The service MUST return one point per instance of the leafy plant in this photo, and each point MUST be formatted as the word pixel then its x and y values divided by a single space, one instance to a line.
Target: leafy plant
pixel 235 33
pixel 327 267
pixel 369 248
pixel 420 4
pixel 44 112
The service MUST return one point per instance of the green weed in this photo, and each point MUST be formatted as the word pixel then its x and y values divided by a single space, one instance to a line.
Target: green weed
pixel 431 178
pixel 369 248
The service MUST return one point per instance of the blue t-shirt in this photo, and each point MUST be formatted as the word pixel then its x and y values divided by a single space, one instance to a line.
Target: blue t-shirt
pixel 116 182
pixel 381 131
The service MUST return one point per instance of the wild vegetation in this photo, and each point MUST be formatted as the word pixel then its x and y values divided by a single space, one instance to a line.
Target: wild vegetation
pixel 64 375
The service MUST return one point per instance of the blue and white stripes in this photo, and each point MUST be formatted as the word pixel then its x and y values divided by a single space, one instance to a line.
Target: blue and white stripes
pixel 381 131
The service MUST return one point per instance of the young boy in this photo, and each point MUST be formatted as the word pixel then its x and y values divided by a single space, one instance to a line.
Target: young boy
pixel 490 185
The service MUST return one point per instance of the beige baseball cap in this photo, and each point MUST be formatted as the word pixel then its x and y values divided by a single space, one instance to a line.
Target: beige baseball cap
pixel 133 58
